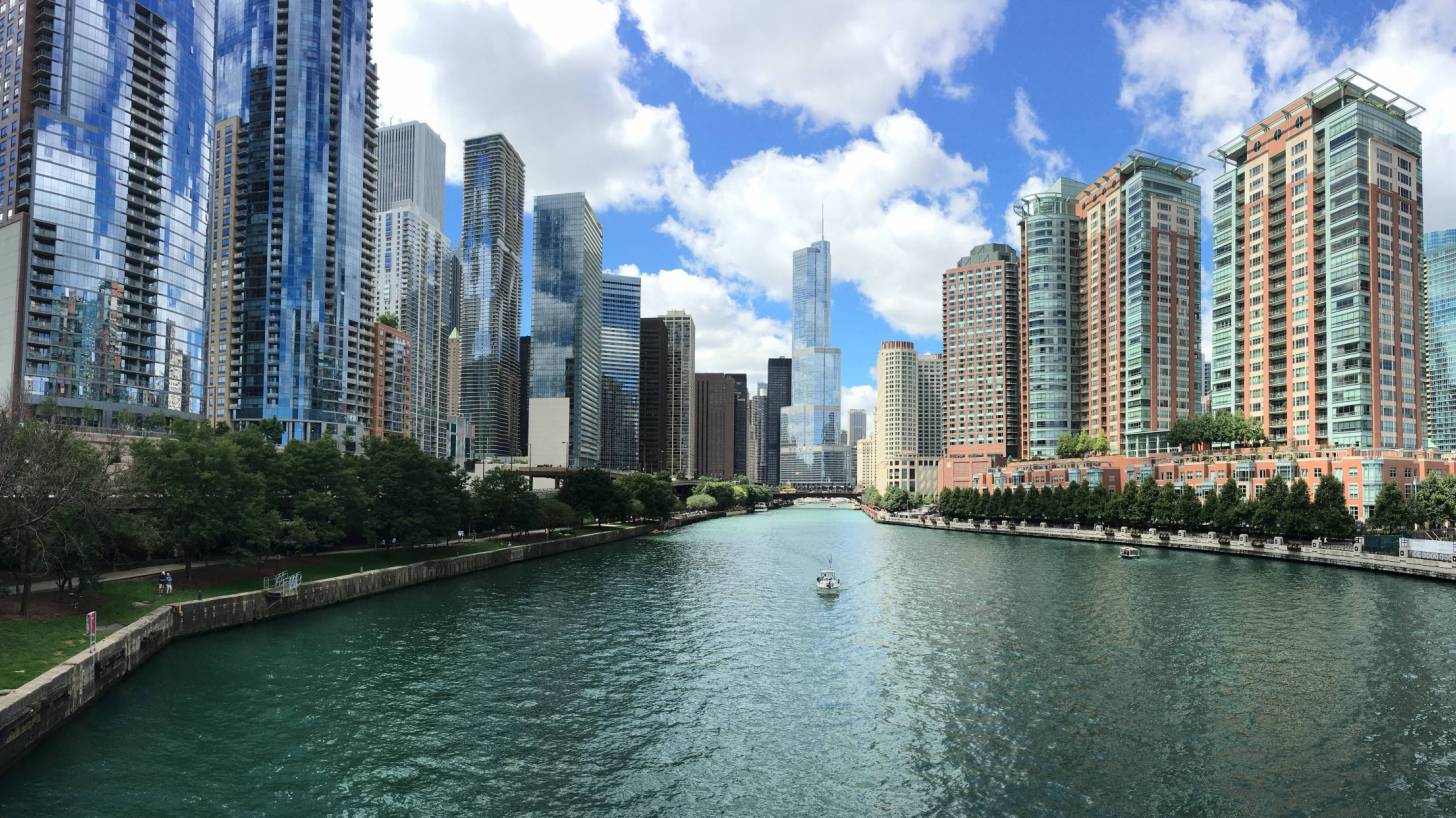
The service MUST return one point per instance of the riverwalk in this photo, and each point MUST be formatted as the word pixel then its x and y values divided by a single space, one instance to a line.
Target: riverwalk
pixel 1344 556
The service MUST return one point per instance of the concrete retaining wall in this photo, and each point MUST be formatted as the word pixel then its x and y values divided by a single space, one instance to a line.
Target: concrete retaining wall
pixel 42 705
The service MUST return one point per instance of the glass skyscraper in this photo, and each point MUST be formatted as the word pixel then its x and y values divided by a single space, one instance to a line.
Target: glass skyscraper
pixel 105 134
pixel 490 310
pixel 810 454
pixel 621 348
pixel 300 91
pixel 566 333
pixel 1440 261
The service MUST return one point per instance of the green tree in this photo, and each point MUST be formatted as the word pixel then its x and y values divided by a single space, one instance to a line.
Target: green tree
pixel 1268 515
pixel 1298 519
pixel 702 502
pixel 1435 503
pixel 653 493
pixel 504 501
pixel 1231 509
pixel 1330 515
pixel 896 499
pixel 591 491
pixel 1189 512
pixel 1391 515
pixel 871 496
pixel 556 515
pixel 412 497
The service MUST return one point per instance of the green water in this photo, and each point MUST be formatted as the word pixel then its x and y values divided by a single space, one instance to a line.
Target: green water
pixel 697 673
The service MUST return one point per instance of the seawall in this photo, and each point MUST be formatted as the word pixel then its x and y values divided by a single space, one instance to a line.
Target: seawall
pixel 1387 564
pixel 41 706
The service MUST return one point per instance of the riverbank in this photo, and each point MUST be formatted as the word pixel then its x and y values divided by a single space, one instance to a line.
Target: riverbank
pixel 1425 569
pixel 36 709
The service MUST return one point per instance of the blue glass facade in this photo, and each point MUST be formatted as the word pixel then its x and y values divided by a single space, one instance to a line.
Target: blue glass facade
pixel 621 362
pixel 491 239
pixel 566 319
pixel 299 79
pixel 106 207
pixel 1440 263
pixel 810 453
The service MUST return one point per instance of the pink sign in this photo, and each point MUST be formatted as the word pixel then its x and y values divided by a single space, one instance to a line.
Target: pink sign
pixel 91 624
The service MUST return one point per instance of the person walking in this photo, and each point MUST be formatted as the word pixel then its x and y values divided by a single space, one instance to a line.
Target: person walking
pixel 167 578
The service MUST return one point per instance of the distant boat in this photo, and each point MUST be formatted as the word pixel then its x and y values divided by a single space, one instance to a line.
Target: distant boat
pixel 827 583
pixel 1129 553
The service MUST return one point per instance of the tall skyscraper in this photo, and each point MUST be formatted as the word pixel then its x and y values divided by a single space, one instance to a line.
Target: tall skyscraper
pixel 858 428
pixel 908 419
pixel 652 398
pixel 523 394
pixel 981 330
pixel 104 190
pixel 1317 303
pixel 780 394
pixel 1053 364
pixel 299 90
pixel 715 415
pixel 810 453
pixel 621 374
pixel 418 280
pixel 1440 338
pixel 491 237
pixel 756 405
pixel 679 368
pixel 566 333
pixel 412 170
pixel 740 424
pixel 390 412
pixel 1141 279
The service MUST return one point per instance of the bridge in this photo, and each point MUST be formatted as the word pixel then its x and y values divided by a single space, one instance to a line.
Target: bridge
pixel 844 492
pixel 681 486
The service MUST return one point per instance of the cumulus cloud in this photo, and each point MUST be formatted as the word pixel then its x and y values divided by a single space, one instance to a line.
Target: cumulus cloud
pixel 729 334
pixel 548 75
pixel 898 209
pixel 1047 163
pixel 860 396
pixel 835 61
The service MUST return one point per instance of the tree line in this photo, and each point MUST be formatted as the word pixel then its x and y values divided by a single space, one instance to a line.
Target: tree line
pixel 70 508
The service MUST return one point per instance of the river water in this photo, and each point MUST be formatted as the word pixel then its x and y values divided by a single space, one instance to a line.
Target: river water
pixel 697 673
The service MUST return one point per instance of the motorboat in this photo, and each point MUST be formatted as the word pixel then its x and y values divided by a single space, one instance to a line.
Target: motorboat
pixel 827 583
pixel 1129 553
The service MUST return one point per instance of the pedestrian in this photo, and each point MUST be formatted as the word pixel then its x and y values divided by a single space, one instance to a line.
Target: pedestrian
pixel 162 583
pixel 167 575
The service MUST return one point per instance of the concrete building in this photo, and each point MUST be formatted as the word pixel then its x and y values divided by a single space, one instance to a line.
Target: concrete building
pixel 418 275
pixel 566 334
pixel 981 327
pixel 1141 281
pixel 523 394
pixel 1439 262
pixel 908 419
pixel 1317 315
pixel 391 392
pixel 867 464
pixel 810 454
pixel 621 371
pixel 491 241
pixel 303 262
pixel 668 390
pixel 858 427
pixel 715 412
pixel 755 420
pixel 1052 352
pixel 780 394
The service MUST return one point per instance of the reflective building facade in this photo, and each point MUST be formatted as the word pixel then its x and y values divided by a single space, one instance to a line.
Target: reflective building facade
pixel 1440 264
pixel 621 376
pixel 302 88
pixel 566 331
pixel 491 237
pixel 105 140
pixel 810 452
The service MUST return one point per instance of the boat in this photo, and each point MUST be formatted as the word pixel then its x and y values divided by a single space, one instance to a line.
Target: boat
pixel 1129 553
pixel 761 507
pixel 827 583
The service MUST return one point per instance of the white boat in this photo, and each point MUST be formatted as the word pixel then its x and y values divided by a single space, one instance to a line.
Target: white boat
pixel 1129 553
pixel 827 583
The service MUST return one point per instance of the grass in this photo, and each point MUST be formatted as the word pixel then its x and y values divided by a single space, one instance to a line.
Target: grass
pixel 31 646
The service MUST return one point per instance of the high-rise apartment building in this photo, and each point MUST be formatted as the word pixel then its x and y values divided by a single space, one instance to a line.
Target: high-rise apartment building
pixel 1052 359
pixel 981 326
pixel 418 281
pixel 715 412
pixel 780 394
pixel 566 333
pixel 754 434
pixel 908 418
pixel 1141 284
pixel 1439 259
pixel 668 394
pixel 105 170
pixel 523 394
pixel 740 424
pixel 810 453
pixel 491 237
pixel 621 376
pixel 858 428
pixel 652 396
pixel 1317 314
pixel 390 412
pixel 300 92
pixel 866 463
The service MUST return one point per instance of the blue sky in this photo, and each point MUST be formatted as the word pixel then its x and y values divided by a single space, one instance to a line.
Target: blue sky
pixel 707 133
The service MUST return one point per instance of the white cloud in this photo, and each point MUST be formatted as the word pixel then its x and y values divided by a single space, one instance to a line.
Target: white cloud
pixel 547 74
pixel 899 210
pixel 861 396
pixel 836 61
pixel 1048 163
pixel 730 336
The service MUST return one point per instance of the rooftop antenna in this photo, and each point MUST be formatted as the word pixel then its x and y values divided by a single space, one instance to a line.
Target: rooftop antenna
pixel 821 220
